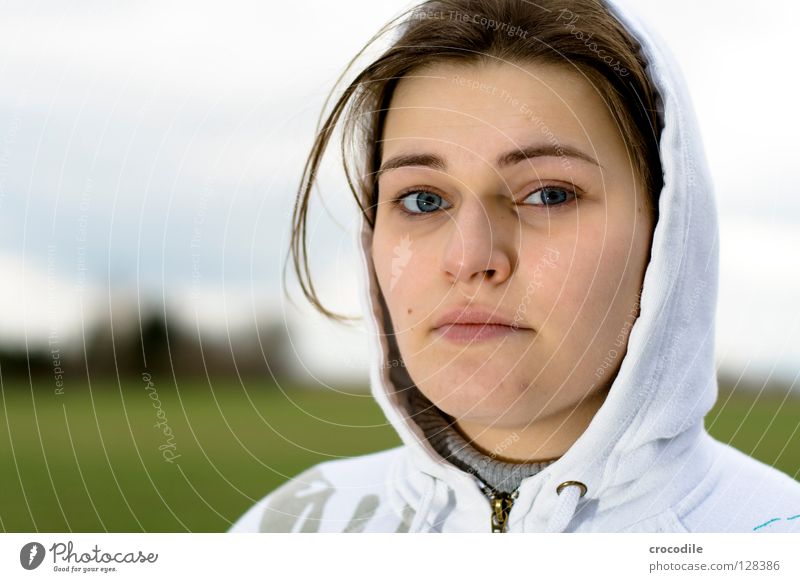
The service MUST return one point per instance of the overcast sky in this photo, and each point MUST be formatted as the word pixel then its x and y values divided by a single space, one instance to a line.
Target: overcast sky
pixel 156 147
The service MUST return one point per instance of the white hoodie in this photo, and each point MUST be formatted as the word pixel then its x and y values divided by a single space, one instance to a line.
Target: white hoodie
pixel 646 460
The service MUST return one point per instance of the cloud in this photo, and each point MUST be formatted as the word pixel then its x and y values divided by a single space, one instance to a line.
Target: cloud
pixel 758 316
pixel 39 306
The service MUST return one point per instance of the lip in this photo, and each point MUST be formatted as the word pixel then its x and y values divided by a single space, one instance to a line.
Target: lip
pixel 475 332
pixel 474 324
pixel 463 315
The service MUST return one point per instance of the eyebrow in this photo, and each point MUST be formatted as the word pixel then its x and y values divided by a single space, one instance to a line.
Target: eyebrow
pixel 510 158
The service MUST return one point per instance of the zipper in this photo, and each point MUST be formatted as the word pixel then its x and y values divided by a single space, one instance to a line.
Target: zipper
pixel 501 504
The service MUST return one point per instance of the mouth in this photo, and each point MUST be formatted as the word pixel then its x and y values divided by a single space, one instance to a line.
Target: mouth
pixel 468 333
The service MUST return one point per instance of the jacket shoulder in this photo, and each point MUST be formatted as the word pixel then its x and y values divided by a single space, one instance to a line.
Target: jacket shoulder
pixel 341 490
pixel 741 494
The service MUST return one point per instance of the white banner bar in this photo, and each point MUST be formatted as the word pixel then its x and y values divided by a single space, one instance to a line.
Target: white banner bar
pixel 379 557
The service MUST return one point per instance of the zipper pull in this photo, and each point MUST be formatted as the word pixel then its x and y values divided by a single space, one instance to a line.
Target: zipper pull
pixel 501 507
pixel 501 504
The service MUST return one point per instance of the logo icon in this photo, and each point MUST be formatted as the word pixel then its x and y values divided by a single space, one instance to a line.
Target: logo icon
pixel 402 255
pixel 31 555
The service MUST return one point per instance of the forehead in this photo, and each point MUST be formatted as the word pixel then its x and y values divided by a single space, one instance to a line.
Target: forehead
pixel 481 107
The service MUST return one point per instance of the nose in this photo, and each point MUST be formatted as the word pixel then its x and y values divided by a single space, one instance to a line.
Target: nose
pixel 480 244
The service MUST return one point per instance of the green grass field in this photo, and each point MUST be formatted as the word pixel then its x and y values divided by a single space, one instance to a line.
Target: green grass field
pixel 89 460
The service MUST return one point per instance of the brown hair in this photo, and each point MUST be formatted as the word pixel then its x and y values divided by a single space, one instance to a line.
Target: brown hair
pixel 580 33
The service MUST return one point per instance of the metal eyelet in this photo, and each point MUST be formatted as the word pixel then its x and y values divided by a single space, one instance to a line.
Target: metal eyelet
pixel 583 487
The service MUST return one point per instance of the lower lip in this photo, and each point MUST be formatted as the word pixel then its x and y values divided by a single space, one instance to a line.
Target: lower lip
pixel 469 332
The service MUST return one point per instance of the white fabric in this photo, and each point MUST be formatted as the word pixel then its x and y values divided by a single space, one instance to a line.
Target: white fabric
pixel 646 460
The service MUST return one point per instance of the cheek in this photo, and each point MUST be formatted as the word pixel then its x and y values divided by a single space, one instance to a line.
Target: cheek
pixel 606 279
pixel 582 275
pixel 392 251
pixel 400 265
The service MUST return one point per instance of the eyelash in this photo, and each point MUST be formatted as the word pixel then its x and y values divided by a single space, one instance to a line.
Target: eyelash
pixel 398 201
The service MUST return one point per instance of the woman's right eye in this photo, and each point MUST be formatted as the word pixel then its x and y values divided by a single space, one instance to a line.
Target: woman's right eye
pixel 421 202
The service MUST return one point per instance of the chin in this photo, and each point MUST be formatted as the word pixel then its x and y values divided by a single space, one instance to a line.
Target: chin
pixel 476 400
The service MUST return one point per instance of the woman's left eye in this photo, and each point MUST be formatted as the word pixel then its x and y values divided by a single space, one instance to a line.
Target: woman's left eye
pixel 550 196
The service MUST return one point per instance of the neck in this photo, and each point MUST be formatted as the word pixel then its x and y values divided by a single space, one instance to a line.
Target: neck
pixel 544 440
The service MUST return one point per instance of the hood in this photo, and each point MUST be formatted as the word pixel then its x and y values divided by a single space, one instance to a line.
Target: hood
pixel 652 420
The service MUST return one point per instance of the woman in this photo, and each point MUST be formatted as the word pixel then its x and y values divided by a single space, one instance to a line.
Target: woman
pixel 539 259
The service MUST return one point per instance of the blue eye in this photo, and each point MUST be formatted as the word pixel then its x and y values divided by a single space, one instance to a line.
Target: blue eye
pixel 422 202
pixel 551 195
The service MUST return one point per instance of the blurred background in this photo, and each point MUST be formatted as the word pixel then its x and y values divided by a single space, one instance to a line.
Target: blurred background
pixel 150 153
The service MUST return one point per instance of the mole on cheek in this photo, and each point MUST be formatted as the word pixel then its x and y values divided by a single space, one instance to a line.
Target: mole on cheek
pixel 409 311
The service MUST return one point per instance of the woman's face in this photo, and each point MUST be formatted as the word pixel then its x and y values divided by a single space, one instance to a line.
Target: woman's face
pixel 486 200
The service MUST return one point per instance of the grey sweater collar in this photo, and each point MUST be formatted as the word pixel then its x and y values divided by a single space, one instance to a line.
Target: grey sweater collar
pixel 447 441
